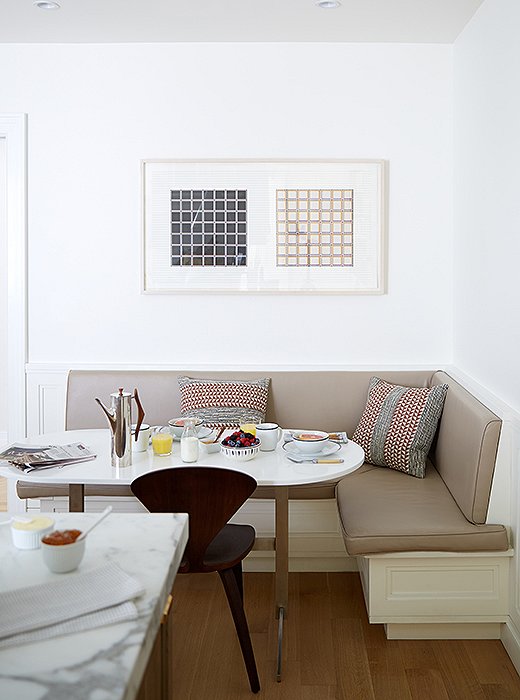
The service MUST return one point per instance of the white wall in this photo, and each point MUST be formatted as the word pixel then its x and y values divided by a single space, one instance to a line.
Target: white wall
pixel 3 294
pixel 487 242
pixel 487 210
pixel 96 110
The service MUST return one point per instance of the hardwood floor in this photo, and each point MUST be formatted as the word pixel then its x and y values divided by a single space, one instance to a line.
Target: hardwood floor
pixel 331 652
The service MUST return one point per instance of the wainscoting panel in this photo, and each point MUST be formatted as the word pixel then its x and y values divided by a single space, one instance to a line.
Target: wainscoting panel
pixel 46 393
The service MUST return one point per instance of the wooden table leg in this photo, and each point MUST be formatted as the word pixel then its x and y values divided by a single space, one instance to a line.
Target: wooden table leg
pixel 282 565
pixel 76 498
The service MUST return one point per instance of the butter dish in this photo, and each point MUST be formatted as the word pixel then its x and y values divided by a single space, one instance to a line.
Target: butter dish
pixel 27 535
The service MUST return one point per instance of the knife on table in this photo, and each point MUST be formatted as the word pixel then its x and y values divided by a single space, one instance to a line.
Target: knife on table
pixel 315 461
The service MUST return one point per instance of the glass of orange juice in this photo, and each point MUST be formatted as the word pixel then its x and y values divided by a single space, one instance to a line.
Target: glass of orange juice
pixel 247 427
pixel 162 441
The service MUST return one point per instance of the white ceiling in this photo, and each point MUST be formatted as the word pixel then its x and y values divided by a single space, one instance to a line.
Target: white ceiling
pixel 416 21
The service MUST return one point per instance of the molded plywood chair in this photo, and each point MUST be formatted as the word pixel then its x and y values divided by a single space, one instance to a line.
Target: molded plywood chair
pixel 210 496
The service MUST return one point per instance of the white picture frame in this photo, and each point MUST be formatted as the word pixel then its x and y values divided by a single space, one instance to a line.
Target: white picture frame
pixel 264 226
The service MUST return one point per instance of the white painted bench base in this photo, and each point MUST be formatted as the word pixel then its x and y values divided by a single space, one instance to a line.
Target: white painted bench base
pixel 437 595
pixel 450 630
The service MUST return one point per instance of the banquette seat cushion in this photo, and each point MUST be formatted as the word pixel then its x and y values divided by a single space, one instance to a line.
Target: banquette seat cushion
pixel 382 510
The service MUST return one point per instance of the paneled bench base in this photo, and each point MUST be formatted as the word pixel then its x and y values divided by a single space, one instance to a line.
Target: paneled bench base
pixel 437 595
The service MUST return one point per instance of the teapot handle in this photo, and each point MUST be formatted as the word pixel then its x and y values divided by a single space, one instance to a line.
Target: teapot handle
pixel 140 413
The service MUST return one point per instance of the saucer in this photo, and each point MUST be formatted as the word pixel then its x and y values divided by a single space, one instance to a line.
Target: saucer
pixel 204 431
pixel 328 449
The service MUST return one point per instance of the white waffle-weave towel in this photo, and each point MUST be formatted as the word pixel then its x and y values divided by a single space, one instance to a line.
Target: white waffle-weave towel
pixel 72 604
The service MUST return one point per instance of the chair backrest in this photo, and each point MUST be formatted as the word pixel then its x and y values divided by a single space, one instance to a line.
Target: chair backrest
pixel 210 496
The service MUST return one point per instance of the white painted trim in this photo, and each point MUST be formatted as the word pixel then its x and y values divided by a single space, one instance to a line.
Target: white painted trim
pixel 484 395
pixel 451 630
pixel 442 594
pixel 36 367
pixel 13 127
pixel 510 638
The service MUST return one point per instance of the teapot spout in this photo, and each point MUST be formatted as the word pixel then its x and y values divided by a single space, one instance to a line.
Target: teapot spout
pixel 112 419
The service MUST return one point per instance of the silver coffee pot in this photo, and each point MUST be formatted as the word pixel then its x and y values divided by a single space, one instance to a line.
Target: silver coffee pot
pixel 120 422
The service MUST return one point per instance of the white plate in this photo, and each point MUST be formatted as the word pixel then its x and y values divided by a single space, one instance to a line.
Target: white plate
pixel 328 449
pixel 204 431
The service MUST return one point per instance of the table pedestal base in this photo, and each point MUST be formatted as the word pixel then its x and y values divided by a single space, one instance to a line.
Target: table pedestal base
pixel 76 498
pixel 282 566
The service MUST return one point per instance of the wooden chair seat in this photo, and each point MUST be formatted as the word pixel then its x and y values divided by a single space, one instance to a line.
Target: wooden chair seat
pixel 232 544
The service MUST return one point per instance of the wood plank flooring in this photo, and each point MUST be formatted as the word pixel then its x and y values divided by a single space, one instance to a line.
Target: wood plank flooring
pixel 331 652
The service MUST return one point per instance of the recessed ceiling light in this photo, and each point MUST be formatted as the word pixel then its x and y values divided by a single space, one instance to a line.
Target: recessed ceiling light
pixel 46 5
pixel 328 4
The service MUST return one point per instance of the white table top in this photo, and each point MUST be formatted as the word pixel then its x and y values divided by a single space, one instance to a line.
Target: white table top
pixel 268 468
pixel 107 662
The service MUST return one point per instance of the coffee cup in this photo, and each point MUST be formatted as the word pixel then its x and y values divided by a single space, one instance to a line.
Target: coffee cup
pixel 143 438
pixel 269 435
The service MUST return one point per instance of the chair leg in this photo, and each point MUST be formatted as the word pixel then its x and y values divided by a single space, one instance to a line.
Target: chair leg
pixel 229 581
pixel 237 570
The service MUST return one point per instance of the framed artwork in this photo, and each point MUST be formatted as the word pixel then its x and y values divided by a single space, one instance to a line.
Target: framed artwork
pixel 281 226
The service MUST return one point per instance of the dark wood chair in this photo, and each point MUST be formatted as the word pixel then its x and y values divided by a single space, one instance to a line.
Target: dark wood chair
pixel 210 496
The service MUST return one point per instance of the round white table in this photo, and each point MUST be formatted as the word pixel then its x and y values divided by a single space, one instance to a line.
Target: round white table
pixel 270 469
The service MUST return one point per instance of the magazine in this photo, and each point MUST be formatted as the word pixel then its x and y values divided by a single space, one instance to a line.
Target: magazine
pixel 29 458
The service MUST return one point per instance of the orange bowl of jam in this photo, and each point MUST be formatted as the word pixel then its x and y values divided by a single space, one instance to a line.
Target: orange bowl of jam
pixel 61 537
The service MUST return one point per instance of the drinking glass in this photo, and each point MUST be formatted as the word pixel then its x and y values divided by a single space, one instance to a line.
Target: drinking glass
pixel 247 426
pixel 162 441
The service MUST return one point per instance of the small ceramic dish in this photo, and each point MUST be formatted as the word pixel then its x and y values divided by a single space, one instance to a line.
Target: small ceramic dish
pixel 27 535
pixel 211 446
pixel 177 424
pixel 62 558
pixel 310 441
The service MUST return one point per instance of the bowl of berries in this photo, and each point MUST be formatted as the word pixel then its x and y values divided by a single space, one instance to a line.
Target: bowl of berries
pixel 240 446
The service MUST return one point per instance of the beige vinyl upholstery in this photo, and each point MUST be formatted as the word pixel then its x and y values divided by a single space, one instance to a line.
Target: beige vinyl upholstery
pixel 466 448
pixel 381 510
pixel 321 400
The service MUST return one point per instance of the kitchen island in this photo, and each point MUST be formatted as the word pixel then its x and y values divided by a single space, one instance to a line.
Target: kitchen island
pixel 108 662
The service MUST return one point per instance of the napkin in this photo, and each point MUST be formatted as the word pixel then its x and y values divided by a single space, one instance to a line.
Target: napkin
pixel 72 604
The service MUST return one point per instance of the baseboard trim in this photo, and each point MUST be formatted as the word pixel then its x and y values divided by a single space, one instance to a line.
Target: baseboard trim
pixel 451 630
pixel 510 638
pixel 260 561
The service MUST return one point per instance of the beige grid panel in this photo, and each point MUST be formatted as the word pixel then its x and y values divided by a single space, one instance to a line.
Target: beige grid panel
pixel 314 228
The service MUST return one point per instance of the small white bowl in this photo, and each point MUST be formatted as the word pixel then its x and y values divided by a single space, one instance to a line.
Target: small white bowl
pixel 177 424
pixel 28 535
pixel 61 558
pixel 211 446
pixel 240 454
pixel 307 444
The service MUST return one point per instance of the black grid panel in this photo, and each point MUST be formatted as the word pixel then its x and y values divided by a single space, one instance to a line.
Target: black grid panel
pixel 208 228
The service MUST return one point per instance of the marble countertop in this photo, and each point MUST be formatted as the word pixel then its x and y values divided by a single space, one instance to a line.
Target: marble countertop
pixel 105 663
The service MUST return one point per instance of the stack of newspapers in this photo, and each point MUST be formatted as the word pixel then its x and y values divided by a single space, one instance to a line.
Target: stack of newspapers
pixel 30 458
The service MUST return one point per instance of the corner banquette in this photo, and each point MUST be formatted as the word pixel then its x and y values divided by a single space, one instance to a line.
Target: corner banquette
pixel 430 564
